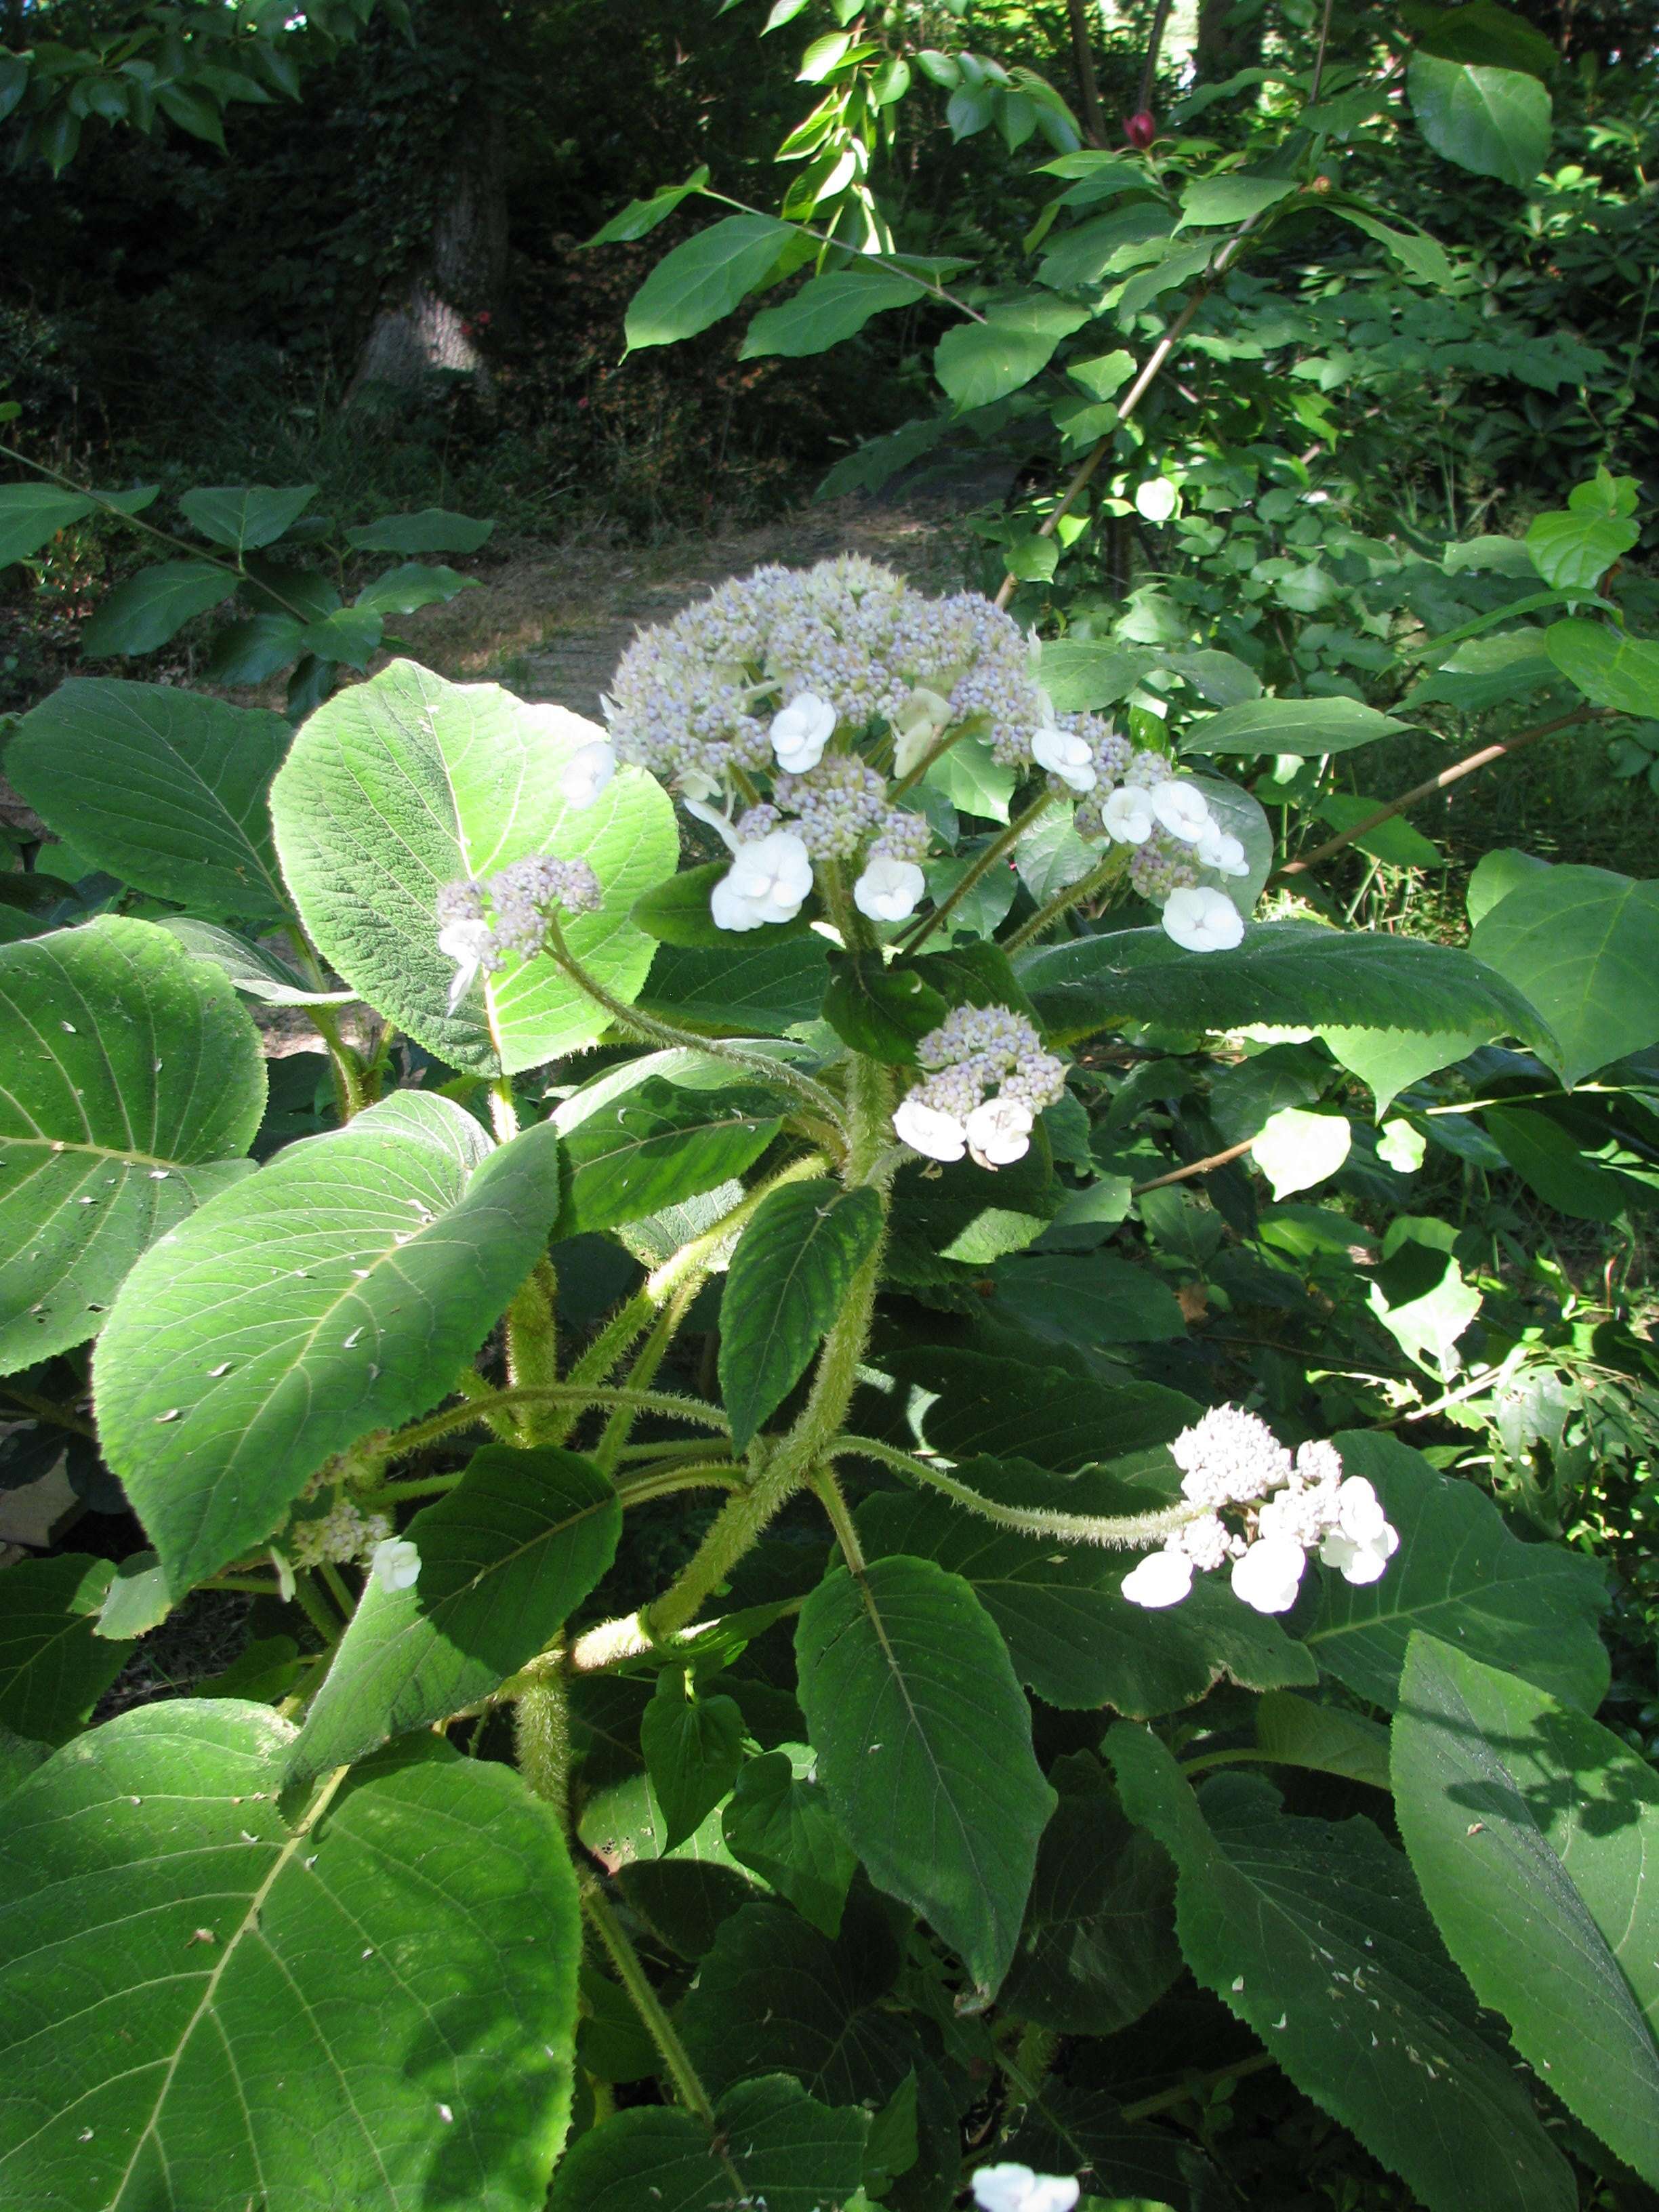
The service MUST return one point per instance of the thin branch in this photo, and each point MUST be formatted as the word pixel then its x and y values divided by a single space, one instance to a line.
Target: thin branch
pixel 1194 1168
pixel 1154 43
pixel 998 848
pixel 1083 53
pixel 1319 58
pixel 1447 777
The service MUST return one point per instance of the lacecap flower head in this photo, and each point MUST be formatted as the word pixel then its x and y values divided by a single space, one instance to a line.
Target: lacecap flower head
pixel 974 1051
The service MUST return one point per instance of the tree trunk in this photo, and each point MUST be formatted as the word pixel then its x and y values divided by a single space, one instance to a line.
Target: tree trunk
pixel 1221 52
pixel 421 325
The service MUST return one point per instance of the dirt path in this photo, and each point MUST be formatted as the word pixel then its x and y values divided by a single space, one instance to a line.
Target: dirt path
pixel 552 622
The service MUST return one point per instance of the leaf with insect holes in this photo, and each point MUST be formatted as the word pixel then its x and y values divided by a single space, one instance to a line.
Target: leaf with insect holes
pixel 340 1289
pixel 134 1082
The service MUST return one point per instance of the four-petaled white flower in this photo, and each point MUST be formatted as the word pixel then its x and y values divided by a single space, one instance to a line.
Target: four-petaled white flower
pixel 917 727
pixel 999 1132
pixel 1017 2189
pixel 395 1564
pixel 937 1135
pixel 1219 849
pixel 586 773
pixel 1362 1542
pixel 801 732
pixel 888 890
pixel 1126 816
pixel 1161 1578
pixel 1202 921
pixel 1182 810
pixel 1269 1575
pixel 767 880
pixel 1068 756
pixel 466 943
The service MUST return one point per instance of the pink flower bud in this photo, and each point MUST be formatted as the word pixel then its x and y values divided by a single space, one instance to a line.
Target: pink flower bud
pixel 1140 128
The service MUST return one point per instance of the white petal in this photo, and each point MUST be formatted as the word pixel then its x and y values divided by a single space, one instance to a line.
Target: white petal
pixel 395 1564
pixel 586 773
pixel 999 1131
pixel 1202 921
pixel 926 1129
pixel 1269 1575
pixel 700 810
pixel 1161 1578
pixel 801 732
pixel 1181 809
pixel 1066 756
pixel 1127 816
pixel 729 910
pixel 890 890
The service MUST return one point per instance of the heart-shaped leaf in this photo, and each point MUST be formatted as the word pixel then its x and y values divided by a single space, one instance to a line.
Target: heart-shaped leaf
pixel 133 1082
pixel 339 1289
pixel 406 783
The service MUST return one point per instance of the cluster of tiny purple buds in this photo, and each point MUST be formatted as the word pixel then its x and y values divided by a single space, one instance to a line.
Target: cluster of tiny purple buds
pixel 974 1051
pixel 1281 1508
pixel 480 922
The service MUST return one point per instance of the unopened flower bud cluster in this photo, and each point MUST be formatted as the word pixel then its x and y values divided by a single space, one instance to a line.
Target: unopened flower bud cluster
pixel 345 1533
pixel 949 1113
pixel 480 923
pixel 1281 1508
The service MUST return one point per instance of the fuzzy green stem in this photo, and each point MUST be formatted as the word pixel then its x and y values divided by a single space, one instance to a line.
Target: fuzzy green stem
pixel 470 1384
pixel 640 1374
pixel 1100 878
pixel 541 1727
pixel 999 849
pixel 310 1601
pixel 760 1067
pixel 828 1491
pixel 532 1342
pixel 664 1482
pixel 579 1394
pixel 1116 1532
pixel 503 1110
pixel 630 1972
pixel 334 1582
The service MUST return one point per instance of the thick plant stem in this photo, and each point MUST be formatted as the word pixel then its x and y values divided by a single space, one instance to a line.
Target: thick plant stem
pixel 532 1343
pixel 630 1972
pixel 998 849
pixel 828 1494
pixel 472 1385
pixel 1100 878
pixel 579 1394
pixel 541 1726
pixel 796 1455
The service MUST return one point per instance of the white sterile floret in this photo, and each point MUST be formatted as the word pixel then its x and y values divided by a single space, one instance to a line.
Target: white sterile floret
pixel 586 773
pixel 469 944
pixel 1219 849
pixel 1202 921
pixel 918 724
pixel 1065 754
pixel 395 1564
pixel 1182 810
pixel 801 732
pixel 927 1130
pixel 1269 1575
pixel 1161 1578
pixel 999 1131
pixel 1362 1543
pixel 1017 2189
pixel 890 890
pixel 767 882
pixel 1126 816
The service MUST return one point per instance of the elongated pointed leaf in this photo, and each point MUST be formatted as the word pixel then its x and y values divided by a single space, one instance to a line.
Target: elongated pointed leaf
pixel 52 1668
pixel 739 989
pixel 1580 943
pixel 151 607
pixel 512 1551
pixel 658 1146
pixel 340 1289
pixel 1534 1834
pixel 406 783
pixel 1459 1575
pixel 1310 726
pixel 776 2146
pixel 699 282
pixel 1314 1934
pixel 1494 121
pixel 133 1080
pixel 244 516
pixel 924 1743
pixel 826 310
pixel 32 515
pixel 205 2006
pixel 778 1822
pixel 1286 972
pixel 168 789
pixel 432 529
pixel 789 1276
pixel 251 969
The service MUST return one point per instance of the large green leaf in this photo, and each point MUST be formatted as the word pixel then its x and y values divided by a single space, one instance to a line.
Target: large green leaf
pixel 979 362
pixel 742 988
pixel 1073 1638
pixel 1494 121
pixel 1014 1409
pixel 1531 1830
pixel 432 529
pixel 405 783
pixel 250 968
pixel 774 2146
pixel 826 310
pixel 1307 727
pixel 505 1557
pixel 1314 1934
pixel 924 1743
pixel 1293 973
pixel 1573 551
pixel 245 516
pixel 53 1669
pixel 1579 942
pixel 133 1080
pixel 340 1289
pixel 703 279
pixel 1613 670
pixel 692 1747
pixel 1099 1946
pixel 789 1277
pixel 1460 1574
pixel 658 1145
pixel 209 2005
pixel 147 610
pixel 1087 1298
pixel 778 1823
pixel 32 515
pixel 168 789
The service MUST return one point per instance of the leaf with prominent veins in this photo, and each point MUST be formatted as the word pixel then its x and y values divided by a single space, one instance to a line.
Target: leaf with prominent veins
pixel 130 1079
pixel 340 1290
